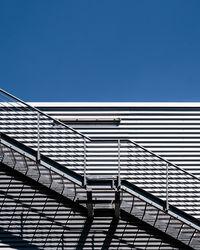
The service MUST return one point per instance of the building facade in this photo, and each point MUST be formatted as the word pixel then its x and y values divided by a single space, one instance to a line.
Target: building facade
pixel 130 158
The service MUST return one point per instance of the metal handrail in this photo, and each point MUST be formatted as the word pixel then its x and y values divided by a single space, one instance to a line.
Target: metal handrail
pixel 39 111
pixel 126 186
pixel 148 151
pixel 31 154
pixel 93 140
pixel 116 140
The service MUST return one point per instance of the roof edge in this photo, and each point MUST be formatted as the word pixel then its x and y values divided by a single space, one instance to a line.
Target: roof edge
pixel 115 104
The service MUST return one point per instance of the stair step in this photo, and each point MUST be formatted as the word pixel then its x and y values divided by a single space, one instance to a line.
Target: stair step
pixel 7 161
pixel 49 180
pixel 20 167
pixel 160 224
pixel 195 244
pixel 43 179
pixel 172 231
pixel 149 219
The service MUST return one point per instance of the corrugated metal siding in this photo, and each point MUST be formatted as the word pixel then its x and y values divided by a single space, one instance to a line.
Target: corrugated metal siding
pixel 102 159
pixel 171 131
pixel 34 219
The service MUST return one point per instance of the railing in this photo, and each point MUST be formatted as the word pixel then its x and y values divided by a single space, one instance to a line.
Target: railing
pixel 47 172
pixel 148 171
pixel 121 159
pixel 41 132
pixel 164 179
pixel 135 200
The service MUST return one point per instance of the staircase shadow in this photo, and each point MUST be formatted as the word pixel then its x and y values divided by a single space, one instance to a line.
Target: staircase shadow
pixel 5 237
pixel 84 234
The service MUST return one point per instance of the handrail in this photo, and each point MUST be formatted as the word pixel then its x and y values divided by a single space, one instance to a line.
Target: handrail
pixel 157 158
pixel 93 140
pixel 44 160
pixel 163 159
pixel 148 151
pixel 130 152
pixel 125 185
pixel 160 204
pixel 48 116
pixel 96 140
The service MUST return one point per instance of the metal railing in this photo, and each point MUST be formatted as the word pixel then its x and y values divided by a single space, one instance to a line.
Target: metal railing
pixel 71 185
pixel 41 132
pixel 46 172
pixel 123 159
pixel 147 170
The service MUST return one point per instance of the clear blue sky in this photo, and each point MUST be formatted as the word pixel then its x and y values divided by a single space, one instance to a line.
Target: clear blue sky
pixel 70 50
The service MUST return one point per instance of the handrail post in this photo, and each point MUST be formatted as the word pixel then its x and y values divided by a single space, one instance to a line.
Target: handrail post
pixel 167 187
pixel 119 165
pixel 85 174
pixel 38 136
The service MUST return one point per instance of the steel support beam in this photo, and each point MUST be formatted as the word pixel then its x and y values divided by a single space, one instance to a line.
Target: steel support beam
pixel 117 204
pixel 90 204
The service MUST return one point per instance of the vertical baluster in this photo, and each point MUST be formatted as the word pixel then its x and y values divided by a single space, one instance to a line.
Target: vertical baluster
pixel 84 162
pixel 167 187
pixel 2 153
pixel 25 163
pixel 13 157
pixel 38 136
pixel 119 165
pixel 63 183
pixel 192 236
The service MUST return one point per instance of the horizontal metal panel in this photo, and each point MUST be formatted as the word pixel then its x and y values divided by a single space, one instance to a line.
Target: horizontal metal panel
pixel 41 222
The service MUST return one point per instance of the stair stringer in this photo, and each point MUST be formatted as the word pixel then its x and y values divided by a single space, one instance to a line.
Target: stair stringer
pixel 9 160
pixel 189 241
pixel 49 183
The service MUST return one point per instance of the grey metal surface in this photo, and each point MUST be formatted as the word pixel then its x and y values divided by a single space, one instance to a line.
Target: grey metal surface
pixel 53 181
pixel 123 159
pixel 32 218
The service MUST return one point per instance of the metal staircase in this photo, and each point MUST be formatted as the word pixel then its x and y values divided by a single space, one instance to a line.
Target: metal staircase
pixel 155 194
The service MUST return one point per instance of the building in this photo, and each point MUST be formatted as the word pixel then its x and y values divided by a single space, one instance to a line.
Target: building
pixel 99 175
